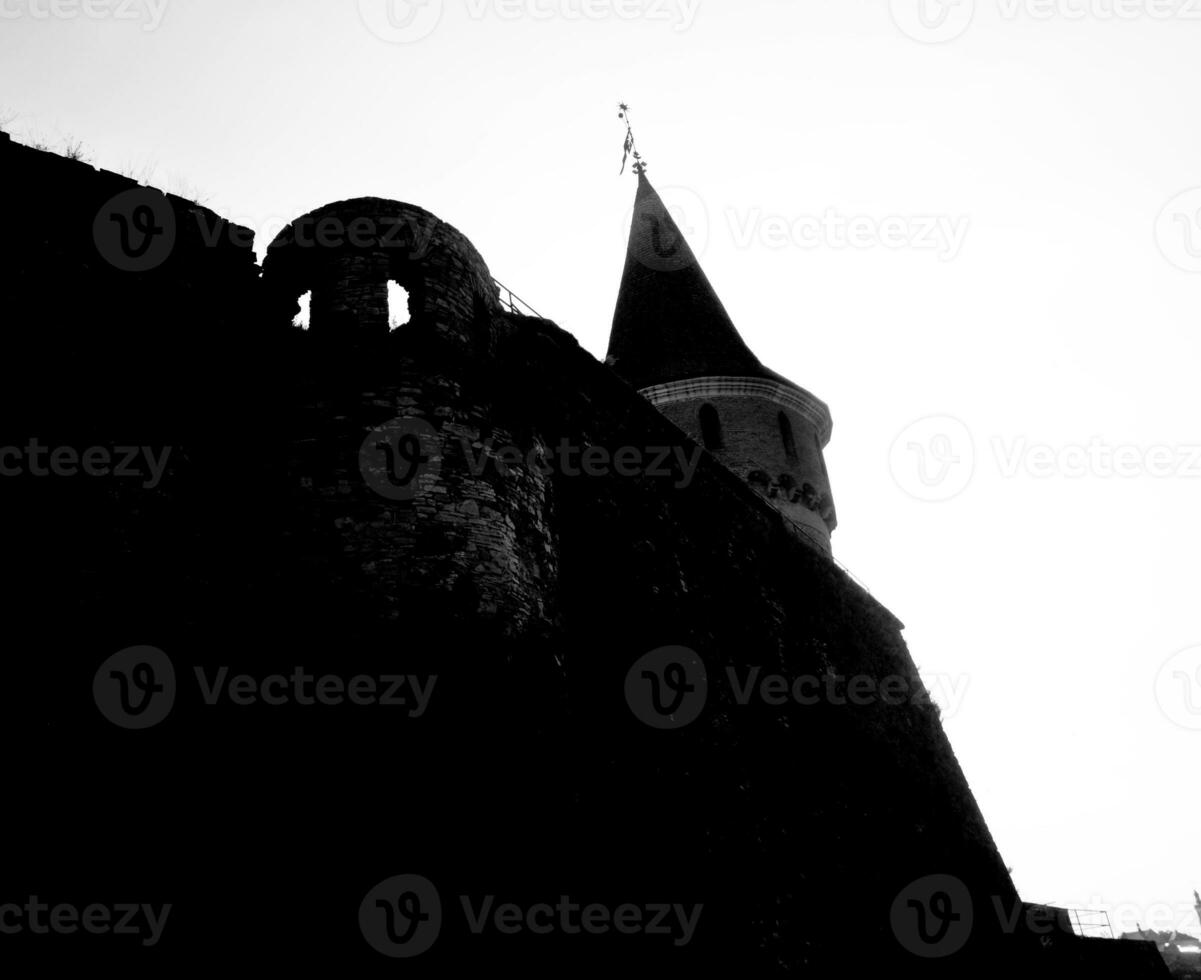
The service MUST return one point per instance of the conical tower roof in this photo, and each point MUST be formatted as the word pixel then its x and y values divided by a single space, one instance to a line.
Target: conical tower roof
pixel 669 324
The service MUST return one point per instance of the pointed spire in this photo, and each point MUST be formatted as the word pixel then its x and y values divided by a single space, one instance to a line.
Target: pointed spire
pixel 669 324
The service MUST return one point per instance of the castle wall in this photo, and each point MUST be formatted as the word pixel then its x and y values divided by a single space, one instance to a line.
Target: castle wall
pixel 63 236
pixel 100 272
pixel 530 593
pixel 583 575
pixel 839 807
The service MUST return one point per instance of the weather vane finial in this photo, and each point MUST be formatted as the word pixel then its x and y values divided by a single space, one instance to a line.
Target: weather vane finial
pixel 630 148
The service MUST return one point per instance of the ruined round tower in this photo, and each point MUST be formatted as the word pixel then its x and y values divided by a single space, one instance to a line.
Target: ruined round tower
pixel 394 447
pixel 673 340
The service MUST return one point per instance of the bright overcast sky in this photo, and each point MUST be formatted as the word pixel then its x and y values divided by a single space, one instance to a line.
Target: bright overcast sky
pixel 968 228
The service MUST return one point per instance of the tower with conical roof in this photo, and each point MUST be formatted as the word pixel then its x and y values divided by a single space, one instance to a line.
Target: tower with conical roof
pixel 673 340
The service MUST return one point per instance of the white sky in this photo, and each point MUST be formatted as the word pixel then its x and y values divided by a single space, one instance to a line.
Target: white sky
pixel 1053 133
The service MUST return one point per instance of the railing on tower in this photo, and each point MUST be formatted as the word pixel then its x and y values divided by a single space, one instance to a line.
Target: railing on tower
pixel 1090 923
pixel 824 547
pixel 514 303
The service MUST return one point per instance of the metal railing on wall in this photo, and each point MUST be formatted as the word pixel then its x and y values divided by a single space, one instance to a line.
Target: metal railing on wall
pixel 1090 923
pixel 825 548
pixel 514 303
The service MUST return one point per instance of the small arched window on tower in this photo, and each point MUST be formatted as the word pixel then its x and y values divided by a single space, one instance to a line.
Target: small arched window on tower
pixel 787 437
pixel 710 427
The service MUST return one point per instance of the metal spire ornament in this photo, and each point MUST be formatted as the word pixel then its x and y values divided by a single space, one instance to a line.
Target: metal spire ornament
pixel 631 148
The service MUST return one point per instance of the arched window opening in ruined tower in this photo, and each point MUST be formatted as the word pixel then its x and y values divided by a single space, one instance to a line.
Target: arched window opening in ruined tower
pixel 710 427
pixel 787 436
pixel 303 318
pixel 398 305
